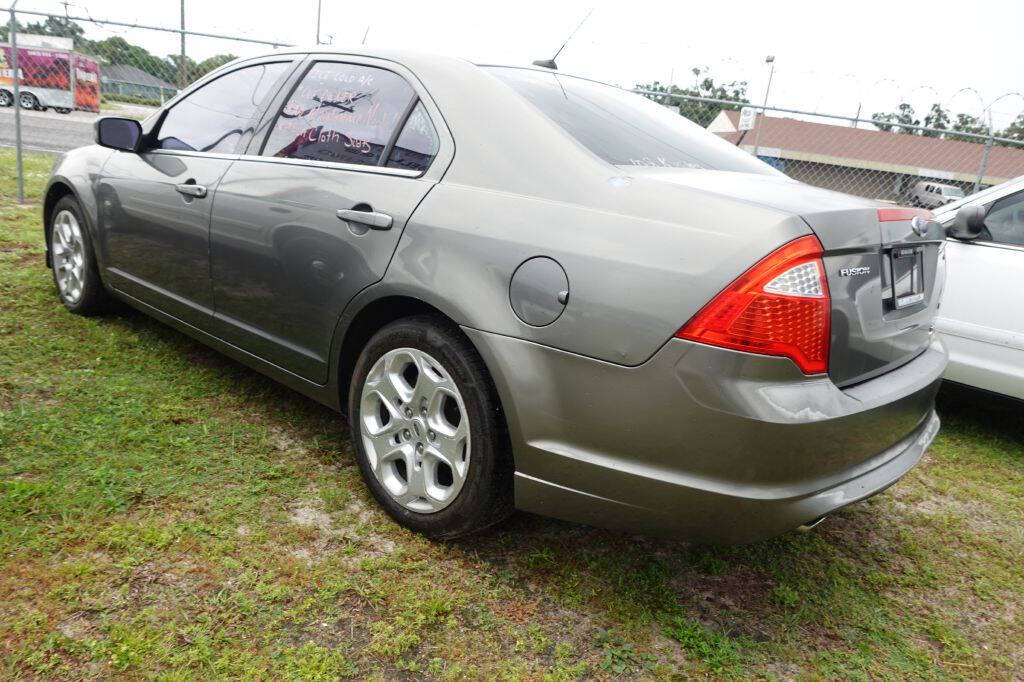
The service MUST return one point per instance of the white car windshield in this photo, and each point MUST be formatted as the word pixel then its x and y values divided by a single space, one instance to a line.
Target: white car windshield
pixel 971 198
pixel 623 128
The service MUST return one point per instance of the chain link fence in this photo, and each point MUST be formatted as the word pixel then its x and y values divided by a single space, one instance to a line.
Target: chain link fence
pixel 889 161
pixel 72 69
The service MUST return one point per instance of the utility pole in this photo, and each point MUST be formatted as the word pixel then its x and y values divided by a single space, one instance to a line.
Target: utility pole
pixel 182 66
pixel 770 59
pixel 319 4
pixel 15 77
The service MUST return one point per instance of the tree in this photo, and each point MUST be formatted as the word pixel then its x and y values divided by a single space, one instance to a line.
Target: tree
pixel 965 123
pixel 56 26
pixel 703 86
pixel 904 114
pixel 207 65
pixel 5 31
pixel 1014 131
pixel 938 118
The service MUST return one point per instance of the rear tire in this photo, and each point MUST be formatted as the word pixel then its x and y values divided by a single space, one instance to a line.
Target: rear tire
pixel 75 272
pixel 6 98
pixel 29 101
pixel 428 430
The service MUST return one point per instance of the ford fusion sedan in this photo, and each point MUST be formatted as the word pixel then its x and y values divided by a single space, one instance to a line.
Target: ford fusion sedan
pixel 525 290
pixel 982 316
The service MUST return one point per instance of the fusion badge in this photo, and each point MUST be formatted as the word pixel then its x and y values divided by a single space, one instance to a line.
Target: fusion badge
pixel 855 272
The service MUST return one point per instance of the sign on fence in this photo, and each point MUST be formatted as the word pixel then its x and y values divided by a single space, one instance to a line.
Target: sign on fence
pixel 747 117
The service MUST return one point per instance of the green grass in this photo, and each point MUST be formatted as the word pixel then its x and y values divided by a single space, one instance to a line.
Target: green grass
pixel 167 513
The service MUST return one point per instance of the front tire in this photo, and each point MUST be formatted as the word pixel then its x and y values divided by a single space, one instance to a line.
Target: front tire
pixel 75 272
pixel 6 98
pixel 29 101
pixel 428 431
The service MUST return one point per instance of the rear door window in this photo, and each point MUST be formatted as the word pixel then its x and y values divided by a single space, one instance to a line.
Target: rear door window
pixel 417 145
pixel 341 113
pixel 214 117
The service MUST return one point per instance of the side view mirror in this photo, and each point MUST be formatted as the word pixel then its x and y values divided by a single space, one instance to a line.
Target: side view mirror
pixel 118 133
pixel 968 223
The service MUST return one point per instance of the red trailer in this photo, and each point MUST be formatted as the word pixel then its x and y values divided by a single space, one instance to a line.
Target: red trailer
pixel 50 78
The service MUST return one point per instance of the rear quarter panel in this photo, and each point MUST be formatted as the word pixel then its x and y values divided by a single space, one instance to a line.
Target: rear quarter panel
pixel 636 275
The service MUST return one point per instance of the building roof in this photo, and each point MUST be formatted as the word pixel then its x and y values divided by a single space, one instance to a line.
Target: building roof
pixel 933 157
pixel 125 73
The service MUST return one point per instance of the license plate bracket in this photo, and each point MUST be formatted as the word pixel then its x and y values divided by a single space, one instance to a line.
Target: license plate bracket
pixel 906 276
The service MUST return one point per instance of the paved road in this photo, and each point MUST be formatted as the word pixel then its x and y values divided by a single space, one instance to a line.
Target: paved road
pixel 48 131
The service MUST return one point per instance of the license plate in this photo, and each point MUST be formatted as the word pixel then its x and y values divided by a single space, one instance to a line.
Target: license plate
pixel 907 276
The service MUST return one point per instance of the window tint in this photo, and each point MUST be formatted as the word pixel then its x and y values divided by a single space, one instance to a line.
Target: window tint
pixel 1005 220
pixel 214 117
pixel 344 113
pixel 626 129
pixel 417 146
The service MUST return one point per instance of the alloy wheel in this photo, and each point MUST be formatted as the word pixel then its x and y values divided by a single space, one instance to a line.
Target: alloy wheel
pixel 415 430
pixel 68 256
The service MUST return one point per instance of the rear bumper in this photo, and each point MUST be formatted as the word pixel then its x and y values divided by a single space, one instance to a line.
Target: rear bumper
pixel 704 443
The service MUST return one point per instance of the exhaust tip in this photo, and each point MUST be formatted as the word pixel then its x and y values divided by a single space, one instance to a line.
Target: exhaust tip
pixel 806 527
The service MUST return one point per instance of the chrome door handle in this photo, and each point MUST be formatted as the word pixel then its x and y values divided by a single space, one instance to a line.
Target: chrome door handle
pixel 191 190
pixel 372 219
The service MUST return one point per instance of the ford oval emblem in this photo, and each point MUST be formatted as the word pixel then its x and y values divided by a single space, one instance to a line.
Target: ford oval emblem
pixel 919 225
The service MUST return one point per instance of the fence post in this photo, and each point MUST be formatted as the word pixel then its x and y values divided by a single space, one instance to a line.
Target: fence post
pixel 15 77
pixel 984 159
pixel 182 68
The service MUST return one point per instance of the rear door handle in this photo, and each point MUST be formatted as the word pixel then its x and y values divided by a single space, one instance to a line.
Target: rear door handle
pixel 372 219
pixel 190 189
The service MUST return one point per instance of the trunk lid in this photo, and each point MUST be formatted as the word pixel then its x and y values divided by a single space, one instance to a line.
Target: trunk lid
pixel 885 280
pixel 884 276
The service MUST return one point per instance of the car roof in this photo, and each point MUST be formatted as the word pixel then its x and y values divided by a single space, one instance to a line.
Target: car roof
pixel 411 57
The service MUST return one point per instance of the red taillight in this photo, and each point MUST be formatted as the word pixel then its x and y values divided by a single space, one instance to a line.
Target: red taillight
pixel 780 306
pixel 888 215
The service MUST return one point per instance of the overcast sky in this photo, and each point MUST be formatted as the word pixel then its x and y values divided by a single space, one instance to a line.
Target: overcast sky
pixel 830 56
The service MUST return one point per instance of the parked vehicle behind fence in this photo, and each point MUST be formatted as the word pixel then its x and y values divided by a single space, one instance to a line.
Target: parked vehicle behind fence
pixel 525 289
pixel 48 81
pixel 982 316
pixel 933 194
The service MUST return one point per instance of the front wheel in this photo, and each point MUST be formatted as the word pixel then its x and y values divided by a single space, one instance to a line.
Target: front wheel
pixel 428 430
pixel 6 98
pixel 74 263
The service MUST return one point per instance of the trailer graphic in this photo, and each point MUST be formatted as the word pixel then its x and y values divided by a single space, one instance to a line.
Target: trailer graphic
pixel 50 79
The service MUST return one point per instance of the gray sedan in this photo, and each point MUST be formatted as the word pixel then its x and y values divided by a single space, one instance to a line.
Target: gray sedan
pixel 525 289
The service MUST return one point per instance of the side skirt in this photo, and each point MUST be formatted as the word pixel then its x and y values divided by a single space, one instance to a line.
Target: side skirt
pixel 326 394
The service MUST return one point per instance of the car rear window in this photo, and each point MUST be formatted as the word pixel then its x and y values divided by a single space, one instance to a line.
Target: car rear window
pixel 624 128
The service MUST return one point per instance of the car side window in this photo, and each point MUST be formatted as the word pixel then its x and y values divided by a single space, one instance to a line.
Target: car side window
pixel 341 113
pixel 1005 220
pixel 214 117
pixel 418 143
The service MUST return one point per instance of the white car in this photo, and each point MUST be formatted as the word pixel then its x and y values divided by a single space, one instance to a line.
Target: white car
pixel 934 194
pixel 982 312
